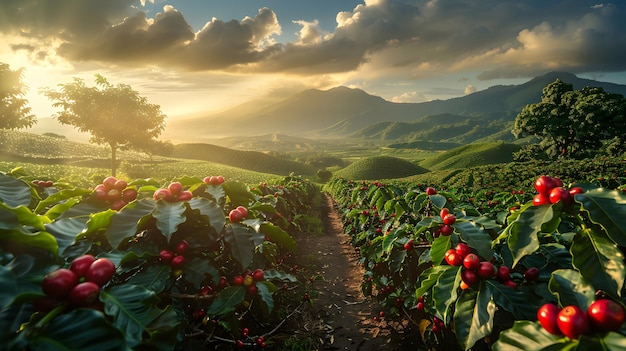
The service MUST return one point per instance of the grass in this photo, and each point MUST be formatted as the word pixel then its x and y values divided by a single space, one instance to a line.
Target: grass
pixel 194 168
pixel 59 159
pixel 472 155
pixel 250 160
pixel 380 167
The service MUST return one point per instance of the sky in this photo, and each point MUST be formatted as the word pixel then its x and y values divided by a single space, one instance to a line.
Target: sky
pixel 196 56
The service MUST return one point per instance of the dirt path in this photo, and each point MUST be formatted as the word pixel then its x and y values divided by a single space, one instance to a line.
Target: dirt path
pixel 345 318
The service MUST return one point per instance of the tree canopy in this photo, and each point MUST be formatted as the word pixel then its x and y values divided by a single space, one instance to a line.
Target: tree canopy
pixel 113 114
pixel 14 112
pixel 574 123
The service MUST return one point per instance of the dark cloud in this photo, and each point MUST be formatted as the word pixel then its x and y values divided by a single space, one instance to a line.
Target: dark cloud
pixel 220 44
pixel 501 38
pixel 66 19
pixel 135 39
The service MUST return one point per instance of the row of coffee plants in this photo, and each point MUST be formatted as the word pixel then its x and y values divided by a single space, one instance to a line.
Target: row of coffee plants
pixel 474 276
pixel 192 264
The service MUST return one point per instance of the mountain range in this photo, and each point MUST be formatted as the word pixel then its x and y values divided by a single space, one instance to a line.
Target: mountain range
pixel 343 112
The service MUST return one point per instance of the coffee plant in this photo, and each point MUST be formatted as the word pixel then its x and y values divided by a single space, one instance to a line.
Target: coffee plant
pixel 472 269
pixel 138 264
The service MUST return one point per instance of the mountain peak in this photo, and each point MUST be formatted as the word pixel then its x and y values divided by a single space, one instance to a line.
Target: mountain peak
pixel 554 75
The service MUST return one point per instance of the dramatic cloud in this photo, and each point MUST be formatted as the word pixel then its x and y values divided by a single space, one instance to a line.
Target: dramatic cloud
pixel 500 38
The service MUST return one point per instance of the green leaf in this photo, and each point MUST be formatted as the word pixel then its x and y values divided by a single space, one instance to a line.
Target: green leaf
pixel 72 222
pixel 473 316
pixel 8 282
pixel 97 223
pixel 227 300
pixel 211 210
pixel 438 200
pixel 238 193
pixel 522 234
pixel 272 274
pixel 265 292
pixel 66 229
pixel 198 270
pixel 61 196
pixel 125 222
pixel 389 240
pixel 613 342
pixel 445 292
pixel 14 192
pixel 476 237
pixel 557 254
pixel 23 215
pixel 41 240
pixel 399 209
pixel 81 329
pixel 527 335
pixel 571 289
pixel 217 192
pixel 239 239
pixel 169 215
pixel 439 248
pixel 154 277
pixel 133 309
pixel 397 259
pixel 278 235
pixel 429 277
pixel 599 260
pixel 518 303
pixel 164 332
pixel 606 207
pixel 57 210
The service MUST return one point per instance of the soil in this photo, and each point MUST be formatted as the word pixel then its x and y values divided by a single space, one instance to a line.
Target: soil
pixel 341 317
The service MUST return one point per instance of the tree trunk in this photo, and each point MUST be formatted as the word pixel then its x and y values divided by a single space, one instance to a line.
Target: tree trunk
pixel 113 158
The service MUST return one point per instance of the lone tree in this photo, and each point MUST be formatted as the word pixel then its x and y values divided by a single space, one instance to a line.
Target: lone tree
pixel 114 114
pixel 573 123
pixel 14 112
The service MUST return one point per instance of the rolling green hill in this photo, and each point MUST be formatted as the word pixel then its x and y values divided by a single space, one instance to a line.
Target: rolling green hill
pixel 424 145
pixel 472 155
pixel 250 160
pixel 56 158
pixel 380 167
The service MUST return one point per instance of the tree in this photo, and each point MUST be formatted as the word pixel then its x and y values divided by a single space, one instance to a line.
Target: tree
pixel 114 114
pixel 573 123
pixel 14 112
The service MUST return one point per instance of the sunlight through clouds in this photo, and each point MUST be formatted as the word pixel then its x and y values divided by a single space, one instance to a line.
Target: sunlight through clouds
pixel 371 42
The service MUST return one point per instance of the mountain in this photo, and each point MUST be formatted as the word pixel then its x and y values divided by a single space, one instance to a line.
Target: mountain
pixel 341 111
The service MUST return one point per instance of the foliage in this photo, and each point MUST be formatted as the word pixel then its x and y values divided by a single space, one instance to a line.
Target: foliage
pixel 151 302
pixel 487 181
pixel 115 115
pixel 572 123
pixel 14 112
pixel 578 249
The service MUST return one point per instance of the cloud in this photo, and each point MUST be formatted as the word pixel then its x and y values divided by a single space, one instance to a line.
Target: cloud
pixel 135 39
pixel 412 96
pixel 470 89
pixel 408 38
pixel 310 33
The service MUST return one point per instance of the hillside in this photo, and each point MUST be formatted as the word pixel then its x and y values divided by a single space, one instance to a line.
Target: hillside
pixel 250 160
pixel 380 167
pixel 341 111
pixel 472 155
